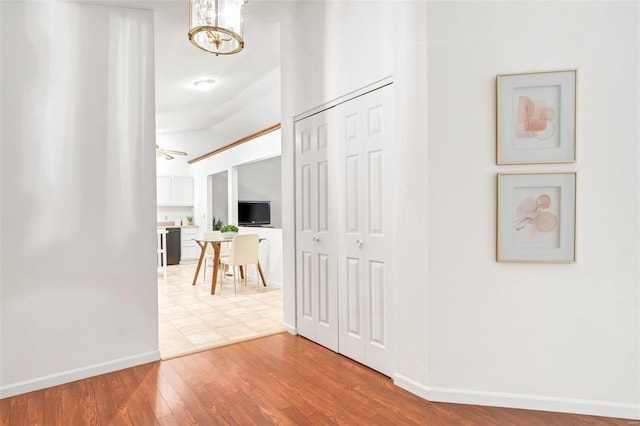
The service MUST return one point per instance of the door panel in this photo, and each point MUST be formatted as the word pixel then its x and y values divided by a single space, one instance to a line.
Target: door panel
pixel 353 345
pixel 377 311
pixel 324 283
pixel 353 296
pixel 352 127
pixel 316 295
pixel 364 243
pixel 376 193
pixel 305 140
pixel 305 193
pixel 323 197
pixel 307 288
pixel 352 189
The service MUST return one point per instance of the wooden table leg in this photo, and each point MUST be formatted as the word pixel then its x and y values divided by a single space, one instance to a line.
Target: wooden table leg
pixel 203 248
pixel 216 262
pixel 241 272
pixel 264 282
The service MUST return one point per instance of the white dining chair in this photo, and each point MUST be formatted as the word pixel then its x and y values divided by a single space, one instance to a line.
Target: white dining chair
pixel 243 252
pixel 209 254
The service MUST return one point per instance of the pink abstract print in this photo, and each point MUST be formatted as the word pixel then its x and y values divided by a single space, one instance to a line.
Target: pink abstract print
pixel 534 119
pixel 532 214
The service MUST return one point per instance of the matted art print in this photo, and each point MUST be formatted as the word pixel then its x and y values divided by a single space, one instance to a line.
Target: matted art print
pixel 536 117
pixel 536 217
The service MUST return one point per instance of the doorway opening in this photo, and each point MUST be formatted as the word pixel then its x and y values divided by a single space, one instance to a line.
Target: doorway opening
pixel 191 319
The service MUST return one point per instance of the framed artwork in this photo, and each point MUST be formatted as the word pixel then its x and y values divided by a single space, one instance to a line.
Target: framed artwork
pixel 536 117
pixel 536 217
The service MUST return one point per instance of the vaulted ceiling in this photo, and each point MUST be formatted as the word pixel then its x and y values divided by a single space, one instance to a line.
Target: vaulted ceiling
pixel 248 77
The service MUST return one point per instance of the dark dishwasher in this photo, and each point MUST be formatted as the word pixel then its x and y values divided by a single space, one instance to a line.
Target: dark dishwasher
pixel 173 246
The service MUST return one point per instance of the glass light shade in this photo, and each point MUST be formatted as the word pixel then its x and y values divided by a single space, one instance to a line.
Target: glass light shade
pixel 205 84
pixel 216 25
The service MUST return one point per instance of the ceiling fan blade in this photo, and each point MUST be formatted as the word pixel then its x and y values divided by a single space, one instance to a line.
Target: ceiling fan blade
pixel 166 153
pixel 170 151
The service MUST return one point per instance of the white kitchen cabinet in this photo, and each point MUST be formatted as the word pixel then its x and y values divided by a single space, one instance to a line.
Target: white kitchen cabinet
pixel 190 250
pixel 174 190
pixel 163 191
pixel 182 190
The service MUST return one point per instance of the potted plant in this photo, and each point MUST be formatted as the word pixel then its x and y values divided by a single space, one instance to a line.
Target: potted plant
pixel 228 231
pixel 189 219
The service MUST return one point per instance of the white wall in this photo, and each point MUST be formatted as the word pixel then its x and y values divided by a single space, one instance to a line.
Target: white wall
pixel 219 202
pixel 78 274
pixel 468 329
pixel 260 104
pixel 260 181
pixel 328 50
pixel 569 333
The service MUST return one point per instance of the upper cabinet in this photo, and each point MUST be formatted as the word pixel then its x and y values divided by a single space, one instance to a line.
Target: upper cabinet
pixel 174 190
pixel 163 190
pixel 182 190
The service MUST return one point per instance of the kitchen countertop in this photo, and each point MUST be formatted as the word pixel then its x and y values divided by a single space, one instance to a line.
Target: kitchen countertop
pixel 170 224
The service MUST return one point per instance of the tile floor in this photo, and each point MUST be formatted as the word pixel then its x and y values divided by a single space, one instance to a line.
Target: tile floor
pixel 192 320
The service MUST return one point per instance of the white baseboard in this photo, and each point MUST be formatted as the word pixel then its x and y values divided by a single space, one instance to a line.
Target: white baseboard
pixel 527 402
pixel 290 329
pixel 77 374
pixel 269 282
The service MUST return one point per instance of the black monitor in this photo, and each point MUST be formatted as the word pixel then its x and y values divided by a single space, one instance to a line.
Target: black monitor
pixel 254 213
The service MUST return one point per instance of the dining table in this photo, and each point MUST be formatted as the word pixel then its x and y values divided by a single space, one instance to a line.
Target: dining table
pixel 216 243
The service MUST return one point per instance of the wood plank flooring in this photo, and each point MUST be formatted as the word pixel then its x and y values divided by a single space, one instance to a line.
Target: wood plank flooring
pixel 280 379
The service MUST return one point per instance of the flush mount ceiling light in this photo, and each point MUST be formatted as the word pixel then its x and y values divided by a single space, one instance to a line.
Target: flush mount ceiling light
pixel 204 84
pixel 215 26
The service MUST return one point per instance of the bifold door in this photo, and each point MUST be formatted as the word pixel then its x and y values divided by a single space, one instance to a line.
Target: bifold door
pixel 316 292
pixel 364 247
pixel 344 200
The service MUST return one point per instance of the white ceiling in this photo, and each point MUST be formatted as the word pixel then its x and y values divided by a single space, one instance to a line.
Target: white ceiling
pixel 246 75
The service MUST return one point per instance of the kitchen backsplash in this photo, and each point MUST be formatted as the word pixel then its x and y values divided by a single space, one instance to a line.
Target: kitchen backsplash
pixel 172 214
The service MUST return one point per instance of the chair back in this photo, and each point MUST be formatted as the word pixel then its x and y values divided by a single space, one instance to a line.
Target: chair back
pixel 209 235
pixel 215 235
pixel 224 247
pixel 244 250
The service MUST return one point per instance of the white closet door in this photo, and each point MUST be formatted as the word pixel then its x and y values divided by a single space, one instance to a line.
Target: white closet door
pixel 365 176
pixel 316 292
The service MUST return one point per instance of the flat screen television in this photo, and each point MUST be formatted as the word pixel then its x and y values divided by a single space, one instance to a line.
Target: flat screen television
pixel 254 213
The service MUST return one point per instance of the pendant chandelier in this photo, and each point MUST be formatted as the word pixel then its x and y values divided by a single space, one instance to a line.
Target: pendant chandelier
pixel 216 25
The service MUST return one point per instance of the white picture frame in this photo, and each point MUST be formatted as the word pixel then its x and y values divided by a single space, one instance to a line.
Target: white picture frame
pixel 536 117
pixel 536 217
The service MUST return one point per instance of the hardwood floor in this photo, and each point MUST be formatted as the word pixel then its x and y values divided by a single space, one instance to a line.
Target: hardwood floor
pixel 280 379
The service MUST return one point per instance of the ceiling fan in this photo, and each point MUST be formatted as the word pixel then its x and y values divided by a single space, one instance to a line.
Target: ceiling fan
pixel 167 154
